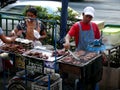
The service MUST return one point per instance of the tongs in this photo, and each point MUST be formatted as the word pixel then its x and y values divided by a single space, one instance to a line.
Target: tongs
pixel 73 55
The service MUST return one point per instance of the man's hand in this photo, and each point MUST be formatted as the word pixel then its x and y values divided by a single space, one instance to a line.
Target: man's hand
pixel 66 45
pixel 67 42
pixel 19 33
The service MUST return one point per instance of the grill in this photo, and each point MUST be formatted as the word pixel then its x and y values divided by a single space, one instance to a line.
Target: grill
pixel 88 72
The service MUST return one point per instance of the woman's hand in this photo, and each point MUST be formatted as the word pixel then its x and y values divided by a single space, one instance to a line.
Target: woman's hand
pixel 19 33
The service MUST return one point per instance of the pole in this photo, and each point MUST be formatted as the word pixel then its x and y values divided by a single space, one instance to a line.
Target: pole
pixel 64 15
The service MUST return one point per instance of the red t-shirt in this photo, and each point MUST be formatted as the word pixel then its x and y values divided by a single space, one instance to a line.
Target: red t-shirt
pixel 74 30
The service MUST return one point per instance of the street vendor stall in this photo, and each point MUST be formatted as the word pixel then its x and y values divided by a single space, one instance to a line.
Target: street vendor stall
pixel 29 63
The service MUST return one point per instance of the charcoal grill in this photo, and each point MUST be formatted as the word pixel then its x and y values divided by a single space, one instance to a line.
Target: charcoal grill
pixel 88 72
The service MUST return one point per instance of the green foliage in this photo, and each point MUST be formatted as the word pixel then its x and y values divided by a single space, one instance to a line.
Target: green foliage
pixel 43 14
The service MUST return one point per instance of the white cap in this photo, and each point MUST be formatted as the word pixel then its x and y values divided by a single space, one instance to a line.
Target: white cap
pixel 89 11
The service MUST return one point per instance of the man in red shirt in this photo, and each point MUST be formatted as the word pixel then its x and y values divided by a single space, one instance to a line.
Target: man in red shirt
pixel 83 31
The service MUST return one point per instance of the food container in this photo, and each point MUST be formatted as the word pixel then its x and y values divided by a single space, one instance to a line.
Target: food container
pixel 41 54
pixel 111 35
pixel 27 44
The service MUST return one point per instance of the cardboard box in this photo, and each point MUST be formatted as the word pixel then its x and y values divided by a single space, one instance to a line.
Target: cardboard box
pixel 100 24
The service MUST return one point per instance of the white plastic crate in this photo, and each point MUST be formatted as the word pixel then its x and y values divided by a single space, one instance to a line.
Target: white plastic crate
pixel 57 85
pixel 48 70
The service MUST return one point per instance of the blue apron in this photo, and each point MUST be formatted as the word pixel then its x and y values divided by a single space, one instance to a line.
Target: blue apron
pixel 85 37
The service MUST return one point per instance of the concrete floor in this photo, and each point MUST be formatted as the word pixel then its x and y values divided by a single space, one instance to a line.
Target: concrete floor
pixel 66 86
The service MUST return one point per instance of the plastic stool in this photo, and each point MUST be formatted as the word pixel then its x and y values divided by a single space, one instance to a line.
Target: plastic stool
pixel 96 86
pixel 77 82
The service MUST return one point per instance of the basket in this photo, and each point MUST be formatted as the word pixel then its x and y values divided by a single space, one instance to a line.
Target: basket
pixel 29 75
pixel 57 85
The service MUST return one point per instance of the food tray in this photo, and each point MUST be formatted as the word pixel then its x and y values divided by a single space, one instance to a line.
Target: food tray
pixel 82 62
pixel 13 48
pixel 46 55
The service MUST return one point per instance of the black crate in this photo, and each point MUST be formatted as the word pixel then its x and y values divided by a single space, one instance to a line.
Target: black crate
pixel 34 65
pixel 91 72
